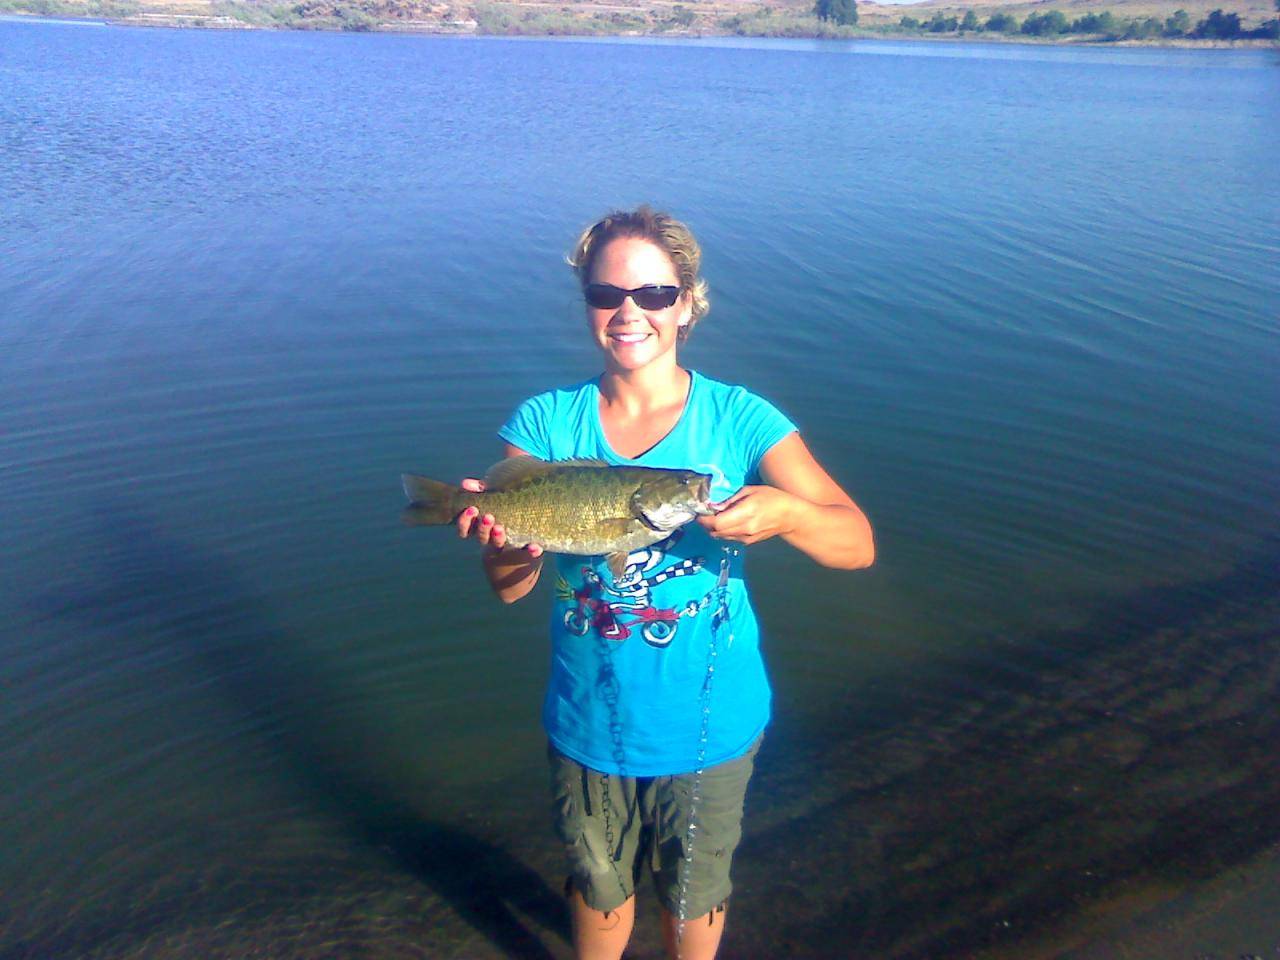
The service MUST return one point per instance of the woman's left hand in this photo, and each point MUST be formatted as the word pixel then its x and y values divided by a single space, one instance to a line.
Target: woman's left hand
pixel 752 514
pixel 801 504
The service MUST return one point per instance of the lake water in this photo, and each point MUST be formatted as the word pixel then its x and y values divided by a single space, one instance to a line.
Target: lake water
pixel 1021 300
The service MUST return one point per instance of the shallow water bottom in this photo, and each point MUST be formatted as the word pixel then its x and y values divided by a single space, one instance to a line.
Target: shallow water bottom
pixel 1231 917
pixel 1111 792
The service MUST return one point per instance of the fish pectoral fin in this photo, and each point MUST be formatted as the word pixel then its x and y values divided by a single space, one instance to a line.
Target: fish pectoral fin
pixel 615 528
pixel 617 564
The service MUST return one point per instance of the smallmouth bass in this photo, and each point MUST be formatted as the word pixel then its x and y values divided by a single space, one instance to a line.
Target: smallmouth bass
pixel 582 507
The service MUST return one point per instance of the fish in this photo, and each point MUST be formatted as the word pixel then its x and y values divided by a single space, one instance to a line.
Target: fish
pixel 584 507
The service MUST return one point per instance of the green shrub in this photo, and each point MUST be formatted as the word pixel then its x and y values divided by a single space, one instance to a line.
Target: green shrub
pixel 842 12
pixel 1003 23
pixel 1178 25
pixel 1048 24
pixel 941 24
pixel 1104 22
pixel 1219 26
pixel 682 15
pixel 1143 29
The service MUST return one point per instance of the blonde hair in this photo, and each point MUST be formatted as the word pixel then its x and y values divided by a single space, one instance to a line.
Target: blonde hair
pixel 662 230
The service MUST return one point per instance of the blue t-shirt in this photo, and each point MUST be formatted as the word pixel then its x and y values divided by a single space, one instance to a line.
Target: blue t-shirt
pixel 631 657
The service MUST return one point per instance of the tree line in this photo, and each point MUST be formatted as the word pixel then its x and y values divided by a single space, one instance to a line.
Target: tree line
pixel 1052 23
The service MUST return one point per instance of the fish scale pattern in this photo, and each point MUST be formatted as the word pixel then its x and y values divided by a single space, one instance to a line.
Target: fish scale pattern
pixel 562 512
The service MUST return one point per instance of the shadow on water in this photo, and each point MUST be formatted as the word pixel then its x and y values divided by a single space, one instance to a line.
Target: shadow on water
pixel 1044 781
pixel 266 676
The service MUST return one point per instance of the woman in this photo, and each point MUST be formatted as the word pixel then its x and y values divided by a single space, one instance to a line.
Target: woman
pixel 658 695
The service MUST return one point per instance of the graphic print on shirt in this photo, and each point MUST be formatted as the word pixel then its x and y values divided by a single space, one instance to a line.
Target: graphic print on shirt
pixel 613 609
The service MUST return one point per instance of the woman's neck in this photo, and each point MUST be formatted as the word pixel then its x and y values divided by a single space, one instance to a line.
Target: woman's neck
pixel 639 410
pixel 638 392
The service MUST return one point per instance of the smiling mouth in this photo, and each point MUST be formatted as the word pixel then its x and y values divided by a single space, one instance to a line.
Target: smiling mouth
pixel 629 337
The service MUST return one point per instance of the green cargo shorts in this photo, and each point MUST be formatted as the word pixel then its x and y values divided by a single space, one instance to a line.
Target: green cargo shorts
pixel 611 826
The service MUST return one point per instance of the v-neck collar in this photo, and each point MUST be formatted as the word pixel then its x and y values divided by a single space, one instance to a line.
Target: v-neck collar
pixel 662 441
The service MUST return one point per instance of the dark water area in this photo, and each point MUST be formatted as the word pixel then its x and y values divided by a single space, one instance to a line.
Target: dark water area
pixel 953 817
pixel 1022 302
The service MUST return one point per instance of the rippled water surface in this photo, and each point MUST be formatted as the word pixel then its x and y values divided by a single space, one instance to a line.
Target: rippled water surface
pixel 1021 300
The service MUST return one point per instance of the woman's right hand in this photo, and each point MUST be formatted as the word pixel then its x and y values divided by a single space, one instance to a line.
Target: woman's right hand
pixel 511 573
pixel 470 523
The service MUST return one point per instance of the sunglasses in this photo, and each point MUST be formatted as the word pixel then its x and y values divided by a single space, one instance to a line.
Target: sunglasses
pixel 605 296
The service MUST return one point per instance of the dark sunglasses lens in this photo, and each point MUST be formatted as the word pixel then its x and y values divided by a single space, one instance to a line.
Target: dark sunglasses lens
pixel 655 298
pixel 604 296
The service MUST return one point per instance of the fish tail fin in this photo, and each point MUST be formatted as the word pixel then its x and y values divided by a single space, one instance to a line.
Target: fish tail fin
pixel 430 501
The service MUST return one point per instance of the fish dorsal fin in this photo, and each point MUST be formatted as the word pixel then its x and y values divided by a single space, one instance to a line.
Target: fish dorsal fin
pixel 515 472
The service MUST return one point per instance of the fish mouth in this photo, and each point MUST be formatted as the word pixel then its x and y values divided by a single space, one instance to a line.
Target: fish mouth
pixel 702 497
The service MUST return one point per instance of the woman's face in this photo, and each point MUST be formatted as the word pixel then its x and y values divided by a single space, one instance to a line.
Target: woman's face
pixel 630 336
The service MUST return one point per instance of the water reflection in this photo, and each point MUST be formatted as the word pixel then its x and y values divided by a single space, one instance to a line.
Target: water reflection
pixel 225 637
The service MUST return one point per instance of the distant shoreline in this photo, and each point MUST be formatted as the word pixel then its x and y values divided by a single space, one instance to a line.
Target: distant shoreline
pixel 175 21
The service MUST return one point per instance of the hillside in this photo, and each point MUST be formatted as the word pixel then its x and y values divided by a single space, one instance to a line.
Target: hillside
pixel 1250 11
pixel 645 17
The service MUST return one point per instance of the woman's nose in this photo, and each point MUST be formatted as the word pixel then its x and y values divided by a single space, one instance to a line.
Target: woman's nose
pixel 628 310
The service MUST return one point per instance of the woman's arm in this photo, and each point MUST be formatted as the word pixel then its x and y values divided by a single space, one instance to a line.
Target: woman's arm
pixel 512 571
pixel 801 504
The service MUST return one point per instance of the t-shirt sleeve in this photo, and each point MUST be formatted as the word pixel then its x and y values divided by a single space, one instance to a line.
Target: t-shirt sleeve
pixel 529 427
pixel 759 425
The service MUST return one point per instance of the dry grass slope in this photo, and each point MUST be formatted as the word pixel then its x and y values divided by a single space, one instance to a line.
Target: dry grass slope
pixel 618 17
